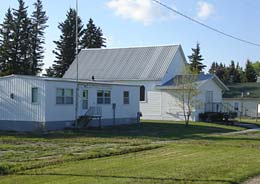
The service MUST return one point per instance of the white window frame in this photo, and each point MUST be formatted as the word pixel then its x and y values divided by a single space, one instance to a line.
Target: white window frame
pixel 126 99
pixel 35 100
pixel 64 96
pixel 104 98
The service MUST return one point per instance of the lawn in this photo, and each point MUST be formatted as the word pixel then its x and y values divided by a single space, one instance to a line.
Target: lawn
pixel 249 120
pixel 155 152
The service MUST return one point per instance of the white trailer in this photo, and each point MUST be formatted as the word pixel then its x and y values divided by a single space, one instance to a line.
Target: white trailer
pixel 29 103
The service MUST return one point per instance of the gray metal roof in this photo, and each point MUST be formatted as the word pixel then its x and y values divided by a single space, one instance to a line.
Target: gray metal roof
pixel 30 77
pixel 199 80
pixel 136 63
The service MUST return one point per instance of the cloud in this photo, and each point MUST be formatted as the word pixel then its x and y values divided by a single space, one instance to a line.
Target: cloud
pixel 144 11
pixel 205 10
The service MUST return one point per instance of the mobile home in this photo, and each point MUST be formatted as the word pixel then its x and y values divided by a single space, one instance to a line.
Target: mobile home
pixel 29 103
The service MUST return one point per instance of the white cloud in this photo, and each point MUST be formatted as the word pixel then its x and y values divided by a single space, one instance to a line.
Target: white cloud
pixel 205 10
pixel 144 11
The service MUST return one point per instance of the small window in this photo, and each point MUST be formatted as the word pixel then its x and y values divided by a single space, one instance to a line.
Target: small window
pixel 142 93
pixel 64 96
pixel 126 97
pixel 209 96
pixel 103 97
pixel 236 106
pixel 35 95
pixel 85 99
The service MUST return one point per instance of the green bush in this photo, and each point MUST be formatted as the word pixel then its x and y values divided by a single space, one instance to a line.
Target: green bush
pixel 211 116
pixel 5 168
pixel 217 116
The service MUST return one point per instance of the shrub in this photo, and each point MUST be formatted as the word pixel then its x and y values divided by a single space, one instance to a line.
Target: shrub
pixel 5 168
pixel 217 116
pixel 211 116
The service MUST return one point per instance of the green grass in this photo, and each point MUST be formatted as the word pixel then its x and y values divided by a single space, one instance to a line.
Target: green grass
pixel 156 152
pixel 249 120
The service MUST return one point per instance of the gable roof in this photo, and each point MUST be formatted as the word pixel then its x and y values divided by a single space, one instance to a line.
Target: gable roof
pixel 136 63
pixel 253 88
pixel 199 80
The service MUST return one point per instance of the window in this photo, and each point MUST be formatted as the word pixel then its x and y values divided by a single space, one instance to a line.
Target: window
pixel 85 99
pixel 103 97
pixel 209 96
pixel 126 97
pixel 236 104
pixel 34 95
pixel 142 93
pixel 64 96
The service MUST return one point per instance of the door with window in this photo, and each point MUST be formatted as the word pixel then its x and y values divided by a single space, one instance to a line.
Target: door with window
pixel 84 100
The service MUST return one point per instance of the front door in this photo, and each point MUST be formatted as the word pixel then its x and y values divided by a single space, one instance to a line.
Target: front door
pixel 84 101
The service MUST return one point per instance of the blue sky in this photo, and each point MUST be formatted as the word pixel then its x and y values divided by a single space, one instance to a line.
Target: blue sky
pixel 141 22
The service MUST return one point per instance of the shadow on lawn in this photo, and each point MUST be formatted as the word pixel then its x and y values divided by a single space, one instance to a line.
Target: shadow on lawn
pixel 151 130
pixel 135 178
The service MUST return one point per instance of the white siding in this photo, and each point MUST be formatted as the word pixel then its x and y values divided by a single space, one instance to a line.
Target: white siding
pixel 152 105
pixel 66 112
pixel 21 108
pixel 249 105
pixel 59 112
pixel 176 67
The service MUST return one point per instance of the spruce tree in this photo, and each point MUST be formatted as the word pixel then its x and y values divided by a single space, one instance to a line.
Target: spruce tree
pixel 21 48
pixel 250 72
pixel 233 73
pixel 195 59
pixel 93 36
pixel 6 41
pixel 66 46
pixel 38 23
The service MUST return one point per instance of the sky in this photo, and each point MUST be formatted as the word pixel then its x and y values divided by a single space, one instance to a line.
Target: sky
pixel 128 23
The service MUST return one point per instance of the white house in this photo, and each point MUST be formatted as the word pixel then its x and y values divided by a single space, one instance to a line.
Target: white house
pixel 29 103
pixel 244 98
pixel 153 68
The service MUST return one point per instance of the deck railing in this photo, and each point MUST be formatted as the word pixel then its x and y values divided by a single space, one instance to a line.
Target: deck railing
pixel 94 111
pixel 218 107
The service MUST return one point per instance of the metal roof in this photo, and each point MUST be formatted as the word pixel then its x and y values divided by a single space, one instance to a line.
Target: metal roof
pixel 30 77
pixel 134 63
pixel 249 90
pixel 200 79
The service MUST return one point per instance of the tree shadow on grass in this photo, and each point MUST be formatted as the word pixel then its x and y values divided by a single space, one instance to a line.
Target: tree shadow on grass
pixel 146 130
pixel 157 179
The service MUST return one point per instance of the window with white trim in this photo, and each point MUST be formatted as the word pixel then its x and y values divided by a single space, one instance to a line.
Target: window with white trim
pixel 142 93
pixel 126 97
pixel 85 99
pixel 64 96
pixel 35 97
pixel 209 96
pixel 103 97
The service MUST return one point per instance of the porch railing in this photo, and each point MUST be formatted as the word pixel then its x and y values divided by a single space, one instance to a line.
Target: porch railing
pixel 94 111
pixel 218 107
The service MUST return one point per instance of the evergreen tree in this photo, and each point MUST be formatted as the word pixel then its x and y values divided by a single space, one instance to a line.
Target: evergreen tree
pixel 6 41
pixel 250 72
pixel 66 47
pixel 220 70
pixel 256 66
pixel 233 73
pixel 195 60
pixel 213 68
pixel 38 21
pixel 21 48
pixel 93 37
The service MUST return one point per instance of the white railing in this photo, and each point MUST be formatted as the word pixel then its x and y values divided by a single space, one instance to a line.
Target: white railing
pixel 94 111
